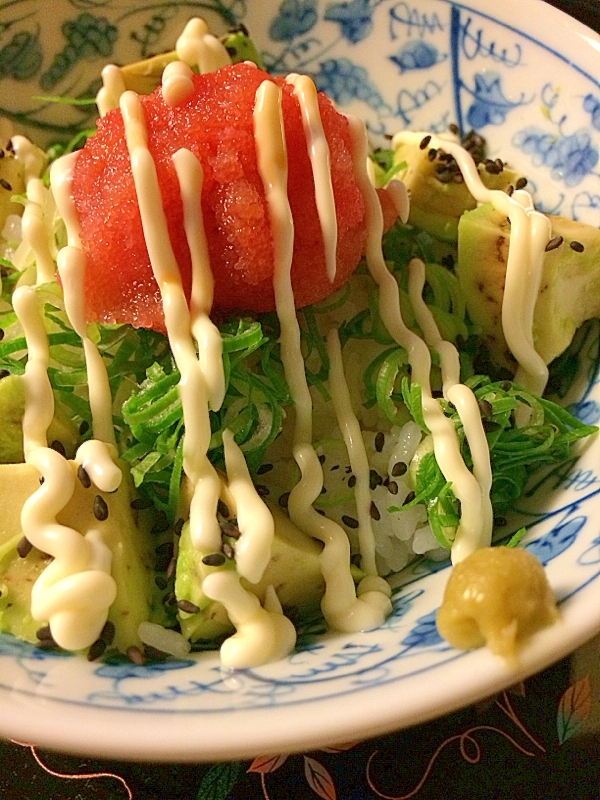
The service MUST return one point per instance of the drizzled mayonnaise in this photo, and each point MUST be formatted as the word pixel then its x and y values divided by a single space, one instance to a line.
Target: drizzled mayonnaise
pixel 204 527
pixel 262 634
pixel 475 529
pixel 318 151
pixel 199 48
pixel 357 452
pixel 76 590
pixel 530 232
pixel 341 607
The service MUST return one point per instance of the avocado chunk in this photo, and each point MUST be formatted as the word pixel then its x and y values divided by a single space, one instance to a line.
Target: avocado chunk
pixel 12 408
pixel 294 571
pixel 436 205
pixel 124 531
pixel 569 291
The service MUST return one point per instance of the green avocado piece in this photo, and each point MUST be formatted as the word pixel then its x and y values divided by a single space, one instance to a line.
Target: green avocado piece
pixel 240 47
pixel 569 292
pixel 124 531
pixel 294 571
pixel 436 207
pixel 12 407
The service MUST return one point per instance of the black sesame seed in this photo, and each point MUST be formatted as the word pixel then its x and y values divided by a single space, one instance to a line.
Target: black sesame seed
pixel 165 549
pixel 4 373
pixel 323 490
pixel 283 500
pixel 348 470
pixel 510 190
pixel 264 468
pixel 84 427
pixel 409 498
pixel 178 527
pixel 96 650
pixel 1 334
pixel 169 599
pixel 2 153
pixel 187 606
pixel 44 634
pixel 5 184
pixel 223 509
pixel 231 530
pixel 42 479
pixel 160 522
pixel 135 655
pixel 140 503
pixel 392 487
pixel 431 155
pixel 10 146
pixel 500 164
pixel 352 481
pixel 424 142
pixel 374 511
pixel 161 583
pixel 577 246
pixel 485 407
pixel 335 466
pixel 350 522
pixel 24 547
pixel 499 522
pixel 228 550
pixel 84 478
pixel 453 128
pixel 153 653
pixel 448 261
pixel 58 447
pixel 379 442
pixel 320 511
pixel 489 426
pixel 555 242
pixel 375 479
pixel 399 469
pixel 506 386
pixel 521 183
pixel 107 634
pixel 321 459
pixel 214 560
pixel 100 508
pixel 262 490
pixel 493 168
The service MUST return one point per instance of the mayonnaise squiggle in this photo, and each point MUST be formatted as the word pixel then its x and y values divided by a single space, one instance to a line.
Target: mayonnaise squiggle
pixel 341 607
pixel 318 150
pixel 261 634
pixel 529 234
pixel 357 453
pixel 199 48
pixel 473 530
pixel 454 391
pixel 204 527
pixel 76 590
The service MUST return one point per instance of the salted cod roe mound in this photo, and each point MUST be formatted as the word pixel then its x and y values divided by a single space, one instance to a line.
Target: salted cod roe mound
pixel 216 124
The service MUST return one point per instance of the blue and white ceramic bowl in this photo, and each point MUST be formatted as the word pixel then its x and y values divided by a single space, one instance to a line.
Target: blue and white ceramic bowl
pixel 526 77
